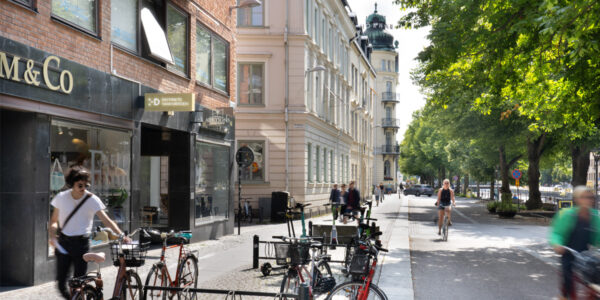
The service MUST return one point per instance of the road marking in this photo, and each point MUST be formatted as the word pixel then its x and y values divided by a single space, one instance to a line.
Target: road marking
pixel 464 216
pixel 546 260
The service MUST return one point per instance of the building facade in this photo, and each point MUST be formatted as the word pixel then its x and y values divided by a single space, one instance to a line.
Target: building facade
pixel 385 61
pixel 81 85
pixel 305 99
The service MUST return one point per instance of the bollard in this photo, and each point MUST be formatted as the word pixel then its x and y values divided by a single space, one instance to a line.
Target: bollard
pixel 310 228
pixel 303 292
pixel 255 243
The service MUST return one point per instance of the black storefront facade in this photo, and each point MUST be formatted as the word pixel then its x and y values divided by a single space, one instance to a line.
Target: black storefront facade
pixel 151 169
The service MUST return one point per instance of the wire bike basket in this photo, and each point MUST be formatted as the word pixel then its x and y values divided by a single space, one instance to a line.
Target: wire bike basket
pixel 134 254
pixel 291 254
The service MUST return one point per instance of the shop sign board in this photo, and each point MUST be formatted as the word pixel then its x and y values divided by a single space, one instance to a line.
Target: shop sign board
pixel 31 72
pixel 217 121
pixel 169 102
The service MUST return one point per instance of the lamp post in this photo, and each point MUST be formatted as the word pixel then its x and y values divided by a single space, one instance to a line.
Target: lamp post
pixel 245 4
pixel 596 154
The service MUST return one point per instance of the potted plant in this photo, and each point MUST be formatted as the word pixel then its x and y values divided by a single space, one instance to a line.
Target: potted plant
pixel 506 209
pixel 491 207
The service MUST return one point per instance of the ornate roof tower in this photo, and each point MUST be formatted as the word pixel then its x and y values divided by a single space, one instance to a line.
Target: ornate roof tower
pixel 379 38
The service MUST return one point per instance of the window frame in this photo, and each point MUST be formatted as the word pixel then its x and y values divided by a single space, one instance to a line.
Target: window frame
pixel 309 164
pixel 172 68
pixel 78 27
pixel 250 9
pixel 239 77
pixel 212 61
pixel 31 6
pixel 264 154
pixel 317 164
pixel 138 39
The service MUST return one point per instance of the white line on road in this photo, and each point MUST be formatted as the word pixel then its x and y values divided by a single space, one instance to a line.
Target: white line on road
pixel 464 216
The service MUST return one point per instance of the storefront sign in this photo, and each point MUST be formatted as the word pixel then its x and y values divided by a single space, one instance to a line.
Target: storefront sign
pixel 169 102
pixel 36 73
pixel 216 121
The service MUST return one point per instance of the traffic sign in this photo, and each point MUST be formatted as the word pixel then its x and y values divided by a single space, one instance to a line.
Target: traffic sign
pixel 244 156
pixel 455 178
pixel 516 174
pixel 517 183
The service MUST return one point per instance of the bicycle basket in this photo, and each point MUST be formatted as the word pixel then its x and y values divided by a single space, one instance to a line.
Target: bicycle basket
pixel 134 254
pixel 281 253
pixel 359 264
pixel 299 254
pixel 589 266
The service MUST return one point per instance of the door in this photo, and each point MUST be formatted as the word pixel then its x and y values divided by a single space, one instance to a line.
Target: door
pixel 154 191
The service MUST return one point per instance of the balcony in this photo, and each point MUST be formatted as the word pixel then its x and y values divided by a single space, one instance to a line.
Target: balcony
pixel 390 123
pixel 390 97
pixel 388 150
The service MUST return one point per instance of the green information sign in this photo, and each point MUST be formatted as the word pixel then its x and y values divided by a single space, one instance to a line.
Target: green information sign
pixel 169 102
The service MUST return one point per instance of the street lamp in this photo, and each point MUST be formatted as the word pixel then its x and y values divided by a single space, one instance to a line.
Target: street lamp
pixel 596 154
pixel 245 4
pixel 314 69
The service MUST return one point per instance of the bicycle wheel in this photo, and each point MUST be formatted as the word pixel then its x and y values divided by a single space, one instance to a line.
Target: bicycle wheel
pixel 188 277
pixel 87 293
pixel 290 283
pixel 132 286
pixel 156 278
pixel 445 229
pixel 351 290
pixel 324 269
pixel 350 248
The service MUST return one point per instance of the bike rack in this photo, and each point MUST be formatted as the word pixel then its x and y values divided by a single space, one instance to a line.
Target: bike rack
pixel 303 292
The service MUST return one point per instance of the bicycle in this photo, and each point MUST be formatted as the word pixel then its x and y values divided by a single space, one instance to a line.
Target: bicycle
pixel 364 232
pixel 295 253
pixel 586 272
pixel 128 284
pixel 361 288
pixel 185 277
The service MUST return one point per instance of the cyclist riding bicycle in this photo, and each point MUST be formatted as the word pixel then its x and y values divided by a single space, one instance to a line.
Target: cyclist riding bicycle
pixel 445 198
pixel 577 228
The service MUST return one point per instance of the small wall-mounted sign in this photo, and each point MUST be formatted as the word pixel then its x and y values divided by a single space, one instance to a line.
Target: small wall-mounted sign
pixel 169 102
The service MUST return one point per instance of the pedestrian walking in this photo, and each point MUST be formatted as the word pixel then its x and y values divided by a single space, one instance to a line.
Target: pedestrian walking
pixel 342 201
pixel 577 228
pixel 400 188
pixel 377 193
pixel 381 191
pixel 71 224
pixel 334 200
pixel 352 199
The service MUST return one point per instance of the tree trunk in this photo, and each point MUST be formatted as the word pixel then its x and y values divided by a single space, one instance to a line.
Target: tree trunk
pixel 457 183
pixel 535 148
pixel 580 157
pixel 478 192
pixel 506 194
pixel 492 187
pixel 466 185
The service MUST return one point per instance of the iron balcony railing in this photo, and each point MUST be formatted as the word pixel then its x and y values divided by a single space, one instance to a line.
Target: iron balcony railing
pixel 390 97
pixel 390 123
pixel 388 149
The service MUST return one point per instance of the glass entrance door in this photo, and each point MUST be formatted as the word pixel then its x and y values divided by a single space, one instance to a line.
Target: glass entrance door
pixel 154 191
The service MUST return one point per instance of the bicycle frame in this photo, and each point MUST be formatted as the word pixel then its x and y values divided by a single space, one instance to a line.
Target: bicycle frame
pixel 163 265
pixel 363 293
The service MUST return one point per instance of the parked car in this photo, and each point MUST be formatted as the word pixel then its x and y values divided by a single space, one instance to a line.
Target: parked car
pixel 419 189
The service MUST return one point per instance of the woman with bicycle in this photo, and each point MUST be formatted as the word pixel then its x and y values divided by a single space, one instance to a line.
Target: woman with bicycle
pixel 445 198
pixel 71 224
pixel 577 228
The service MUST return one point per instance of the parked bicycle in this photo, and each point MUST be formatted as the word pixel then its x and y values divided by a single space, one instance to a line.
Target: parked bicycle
pixel 127 284
pixel 363 270
pixel 295 252
pixel 186 275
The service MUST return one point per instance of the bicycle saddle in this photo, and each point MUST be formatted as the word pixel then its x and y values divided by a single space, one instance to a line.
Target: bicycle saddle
pixel 95 257
pixel 302 205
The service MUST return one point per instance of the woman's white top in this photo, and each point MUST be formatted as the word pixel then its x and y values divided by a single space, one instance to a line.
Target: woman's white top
pixel 82 221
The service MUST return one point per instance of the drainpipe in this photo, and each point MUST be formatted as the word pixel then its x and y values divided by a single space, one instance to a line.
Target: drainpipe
pixel 287 83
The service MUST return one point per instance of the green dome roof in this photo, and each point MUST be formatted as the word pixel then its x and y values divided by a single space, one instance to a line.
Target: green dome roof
pixel 380 39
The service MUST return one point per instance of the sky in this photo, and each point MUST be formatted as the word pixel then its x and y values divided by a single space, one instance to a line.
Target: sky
pixel 411 42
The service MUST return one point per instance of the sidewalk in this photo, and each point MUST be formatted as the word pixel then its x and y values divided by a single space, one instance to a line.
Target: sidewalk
pixel 226 263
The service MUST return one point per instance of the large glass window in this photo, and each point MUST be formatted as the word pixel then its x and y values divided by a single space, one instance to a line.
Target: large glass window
pixel 26 3
pixel 250 83
pixel 105 153
pixel 124 23
pixel 324 165
pixel 212 182
pixel 256 170
pixel 318 164
pixel 212 59
pixel 251 16
pixel 80 13
pixel 177 33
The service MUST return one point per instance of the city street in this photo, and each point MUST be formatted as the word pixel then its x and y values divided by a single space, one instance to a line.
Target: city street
pixel 484 258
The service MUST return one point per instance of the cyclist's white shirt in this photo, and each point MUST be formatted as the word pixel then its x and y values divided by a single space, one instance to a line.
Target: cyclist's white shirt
pixel 82 221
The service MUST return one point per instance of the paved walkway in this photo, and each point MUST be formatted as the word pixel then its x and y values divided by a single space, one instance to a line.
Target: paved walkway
pixel 226 263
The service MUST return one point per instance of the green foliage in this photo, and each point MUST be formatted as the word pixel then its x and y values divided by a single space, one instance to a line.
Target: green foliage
pixel 491 206
pixel 506 207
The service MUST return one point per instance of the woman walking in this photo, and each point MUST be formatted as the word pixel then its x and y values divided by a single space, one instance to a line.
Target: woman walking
pixel 71 224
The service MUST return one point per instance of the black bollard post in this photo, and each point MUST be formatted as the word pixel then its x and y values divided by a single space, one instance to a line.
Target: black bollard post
pixel 303 292
pixel 255 252
pixel 310 228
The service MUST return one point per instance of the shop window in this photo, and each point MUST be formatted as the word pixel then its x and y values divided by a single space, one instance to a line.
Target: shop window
pixel 177 33
pixel 154 191
pixel 251 16
pixel 80 14
pixel 211 183
pixel 250 83
pixel 256 170
pixel 212 59
pixel 105 153
pixel 124 23
pixel 157 45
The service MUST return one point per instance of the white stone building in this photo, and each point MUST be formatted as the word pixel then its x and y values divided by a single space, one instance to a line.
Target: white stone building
pixel 305 99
